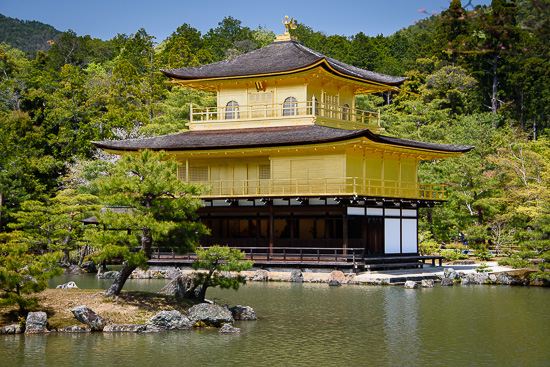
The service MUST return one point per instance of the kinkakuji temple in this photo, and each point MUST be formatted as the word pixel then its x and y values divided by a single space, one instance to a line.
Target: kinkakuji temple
pixel 291 162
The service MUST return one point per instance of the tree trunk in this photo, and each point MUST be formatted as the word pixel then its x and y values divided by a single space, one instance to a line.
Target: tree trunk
pixel 120 279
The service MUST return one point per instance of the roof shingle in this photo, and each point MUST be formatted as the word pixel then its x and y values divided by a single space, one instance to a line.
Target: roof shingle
pixel 279 57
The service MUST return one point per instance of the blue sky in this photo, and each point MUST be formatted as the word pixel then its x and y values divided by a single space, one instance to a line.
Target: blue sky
pixel 106 18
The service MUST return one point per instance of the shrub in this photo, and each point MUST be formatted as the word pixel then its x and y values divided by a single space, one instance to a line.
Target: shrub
pixel 483 254
pixel 483 268
pixel 452 255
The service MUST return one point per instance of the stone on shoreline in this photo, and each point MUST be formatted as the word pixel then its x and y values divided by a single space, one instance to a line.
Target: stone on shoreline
pixel 181 286
pixel 168 320
pixel 229 329
pixel 446 282
pixel 296 276
pixel 427 283
pixel 69 285
pixel 76 329
pixel 243 313
pixel 260 275
pixel 89 266
pixel 209 315
pixel 11 329
pixel 74 270
pixel 411 284
pixel 86 316
pixel 37 322
pixel 127 328
pixel 336 277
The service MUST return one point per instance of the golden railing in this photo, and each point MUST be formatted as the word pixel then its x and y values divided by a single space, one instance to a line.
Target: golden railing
pixel 284 110
pixel 324 186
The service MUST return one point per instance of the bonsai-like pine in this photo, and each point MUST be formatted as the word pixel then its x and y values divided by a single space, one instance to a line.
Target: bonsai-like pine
pixel 216 260
pixel 23 271
pixel 145 203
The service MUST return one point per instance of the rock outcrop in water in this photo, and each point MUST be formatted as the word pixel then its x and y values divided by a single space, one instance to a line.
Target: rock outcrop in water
pixel 206 314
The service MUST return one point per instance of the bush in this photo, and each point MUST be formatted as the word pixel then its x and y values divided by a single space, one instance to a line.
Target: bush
pixel 483 254
pixel 452 255
pixel 516 262
pixel 483 268
pixel 429 247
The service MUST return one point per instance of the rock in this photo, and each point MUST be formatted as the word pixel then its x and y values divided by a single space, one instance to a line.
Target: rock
pixel 89 317
pixel 142 274
pixel 76 329
pixel 480 278
pixel 493 278
pixel 168 320
pixel 182 286
pixel 108 275
pixel 467 279
pixel 260 275
pixel 128 328
pixel 450 273
pixel 89 266
pixel 229 329
pixel 37 322
pixel 172 274
pixel 69 285
pixel 446 282
pixel 541 282
pixel 209 315
pixel 334 283
pixel 243 313
pixel 74 270
pixel 338 276
pixel 427 283
pixel 411 284
pixel 11 329
pixel 464 262
pixel 508 279
pixel 296 276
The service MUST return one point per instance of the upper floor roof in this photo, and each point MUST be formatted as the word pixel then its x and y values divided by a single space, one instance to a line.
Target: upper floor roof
pixel 279 58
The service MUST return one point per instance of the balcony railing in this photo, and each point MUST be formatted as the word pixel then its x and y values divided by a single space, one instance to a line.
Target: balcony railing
pixel 284 111
pixel 323 186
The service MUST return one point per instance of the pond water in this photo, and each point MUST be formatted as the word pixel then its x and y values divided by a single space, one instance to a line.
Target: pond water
pixel 317 325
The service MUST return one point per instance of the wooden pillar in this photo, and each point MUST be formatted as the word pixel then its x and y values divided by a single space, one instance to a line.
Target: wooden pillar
pixel 291 224
pixel 271 229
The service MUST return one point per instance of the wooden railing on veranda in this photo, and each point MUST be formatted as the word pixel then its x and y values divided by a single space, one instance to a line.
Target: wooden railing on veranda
pixel 284 110
pixel 323 186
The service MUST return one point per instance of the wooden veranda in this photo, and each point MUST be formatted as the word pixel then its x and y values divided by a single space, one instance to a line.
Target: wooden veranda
pixel 307 257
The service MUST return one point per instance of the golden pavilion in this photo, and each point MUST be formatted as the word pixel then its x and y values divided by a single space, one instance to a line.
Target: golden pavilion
pixel 290 160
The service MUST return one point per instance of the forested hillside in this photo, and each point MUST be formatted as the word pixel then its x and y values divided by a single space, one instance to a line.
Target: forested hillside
pixel 476 77
pixel 28 36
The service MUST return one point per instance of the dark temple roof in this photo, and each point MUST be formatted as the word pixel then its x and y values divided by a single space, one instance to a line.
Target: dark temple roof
pixel 277 58
pixel 265 137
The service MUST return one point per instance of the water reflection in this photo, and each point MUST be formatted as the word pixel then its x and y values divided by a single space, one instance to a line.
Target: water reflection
pixel 318 325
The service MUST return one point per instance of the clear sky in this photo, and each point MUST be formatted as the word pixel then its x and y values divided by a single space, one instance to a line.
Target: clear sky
pixel 106 18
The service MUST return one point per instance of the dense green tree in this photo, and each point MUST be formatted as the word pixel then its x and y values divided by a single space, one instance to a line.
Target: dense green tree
pixel 156 207
pixel 23 272
pixel 217 261
pixel 225 37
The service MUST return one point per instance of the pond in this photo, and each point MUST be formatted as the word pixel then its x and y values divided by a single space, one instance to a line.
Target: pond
pixel 317 325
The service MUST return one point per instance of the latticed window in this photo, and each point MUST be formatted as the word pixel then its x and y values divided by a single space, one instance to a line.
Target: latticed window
pixel 182 173
pixel 232 110
pixel 198 174
pixel 290 107
pixel 265 172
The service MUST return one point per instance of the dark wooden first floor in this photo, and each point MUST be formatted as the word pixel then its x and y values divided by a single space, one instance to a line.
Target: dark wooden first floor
pixel 378 226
